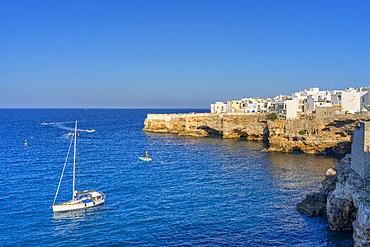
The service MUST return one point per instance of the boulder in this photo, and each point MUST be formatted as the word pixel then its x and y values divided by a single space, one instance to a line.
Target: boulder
pixel 329 183
pixel 341 213
pixel 314 204
pixel 330 172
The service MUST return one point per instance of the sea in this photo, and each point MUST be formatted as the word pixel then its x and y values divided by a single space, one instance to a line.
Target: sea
pixel 195 192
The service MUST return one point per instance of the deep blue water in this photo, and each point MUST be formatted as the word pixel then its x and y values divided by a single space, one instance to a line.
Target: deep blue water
pixel 196 192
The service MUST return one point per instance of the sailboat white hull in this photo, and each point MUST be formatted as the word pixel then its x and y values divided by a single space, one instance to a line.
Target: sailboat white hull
pixel 72 205
pixel 85 199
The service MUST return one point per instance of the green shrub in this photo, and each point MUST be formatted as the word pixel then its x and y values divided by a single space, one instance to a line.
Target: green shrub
pixel 272 116
pixel 302 132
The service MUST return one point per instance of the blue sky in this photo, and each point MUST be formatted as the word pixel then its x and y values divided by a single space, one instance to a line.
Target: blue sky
pixel 170 54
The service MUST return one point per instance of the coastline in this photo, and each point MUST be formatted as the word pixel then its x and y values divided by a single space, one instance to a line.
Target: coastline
pixel 344 200
pixel 344 195
pixel 327 136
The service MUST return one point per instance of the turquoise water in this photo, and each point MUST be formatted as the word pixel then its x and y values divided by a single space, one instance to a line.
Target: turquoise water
pixel 196 192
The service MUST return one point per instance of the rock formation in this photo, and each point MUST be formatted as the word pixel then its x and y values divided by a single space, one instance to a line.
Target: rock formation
pixel 233 125
pixel 309 135
pixel 312 136
pixel 314 204
pixel 347 205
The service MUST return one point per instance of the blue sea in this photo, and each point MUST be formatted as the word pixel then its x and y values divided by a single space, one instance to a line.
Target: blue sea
pixel 196 192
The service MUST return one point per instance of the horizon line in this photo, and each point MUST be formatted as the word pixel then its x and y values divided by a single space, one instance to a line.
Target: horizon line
pixel 97 108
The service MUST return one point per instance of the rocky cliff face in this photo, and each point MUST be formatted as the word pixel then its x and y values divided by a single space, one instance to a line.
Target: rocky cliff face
pixel 314 136
pixel 315 204
pixel 233 125
pixel 347 206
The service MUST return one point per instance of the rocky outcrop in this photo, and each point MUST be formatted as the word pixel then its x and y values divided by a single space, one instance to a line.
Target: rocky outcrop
pixel 314 204
pixel 341 213
pixel 361 226
pixel 328 184
pixel 233 125
pixel 312 135
pixel 309 135
pixel 347 205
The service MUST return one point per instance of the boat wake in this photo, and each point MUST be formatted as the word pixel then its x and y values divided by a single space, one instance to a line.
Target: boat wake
pixel 63 126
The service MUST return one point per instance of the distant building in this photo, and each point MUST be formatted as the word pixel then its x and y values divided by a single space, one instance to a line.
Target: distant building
pixel 234 106
pixel 314 98
pixel 276 105
pixel 325 111
pixel 354 100
pixel 219 107
pixel 336 97
pixel 291 108
pixel 312 102
pixel 254 105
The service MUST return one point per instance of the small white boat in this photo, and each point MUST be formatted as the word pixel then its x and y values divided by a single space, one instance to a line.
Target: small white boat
pixel 80 199
pixel 146 159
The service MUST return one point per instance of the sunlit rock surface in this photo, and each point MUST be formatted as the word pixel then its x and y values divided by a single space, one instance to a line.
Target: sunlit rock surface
pixel 233 125
pixel 309 135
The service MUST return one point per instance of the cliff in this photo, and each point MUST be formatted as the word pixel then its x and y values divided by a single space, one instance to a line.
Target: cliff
pixel 344 196
pixel 312 135
pixel 232 125
pixel 345 199
pixel 309 135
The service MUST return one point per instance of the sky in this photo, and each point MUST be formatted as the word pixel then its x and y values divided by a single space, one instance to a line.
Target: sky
pixel 177 53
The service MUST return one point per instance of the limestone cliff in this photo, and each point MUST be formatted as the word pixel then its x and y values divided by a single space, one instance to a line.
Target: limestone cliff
pixel 232 125
pixel 347 206
pixel 314 136
pixel 309 135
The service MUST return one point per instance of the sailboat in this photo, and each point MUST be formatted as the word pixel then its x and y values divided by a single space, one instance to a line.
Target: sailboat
pixel 80 199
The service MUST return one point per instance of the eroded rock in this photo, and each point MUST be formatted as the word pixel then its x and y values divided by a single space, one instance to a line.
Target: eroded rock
pixel 309 135
pixel 313 205
pixel 341 213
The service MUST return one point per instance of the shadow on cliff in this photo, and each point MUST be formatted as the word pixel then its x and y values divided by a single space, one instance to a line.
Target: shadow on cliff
pixel 342 123
pixel 347 126
pixel 211 132
pixel 338 151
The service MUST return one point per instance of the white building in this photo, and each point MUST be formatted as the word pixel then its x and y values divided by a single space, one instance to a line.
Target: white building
pixel 254 105
pixel 354 100
pixel 336 97
pixel 291 108
pixel 307 101
pixel 314 98
pixel 219 107
pixel 276 105
pixel 295 105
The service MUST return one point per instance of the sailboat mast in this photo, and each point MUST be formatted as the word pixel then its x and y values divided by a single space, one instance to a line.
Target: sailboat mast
pixel 74 162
